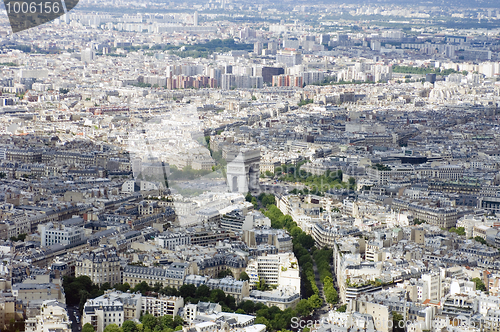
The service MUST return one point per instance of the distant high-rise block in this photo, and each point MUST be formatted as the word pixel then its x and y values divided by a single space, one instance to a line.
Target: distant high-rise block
pixel 88 55
pixel 289 58
pixel 324 39
pixel 287 80
pixel 269 72
pixel 272 46
pixel 257 48
pixel 430 78
pixel 195 19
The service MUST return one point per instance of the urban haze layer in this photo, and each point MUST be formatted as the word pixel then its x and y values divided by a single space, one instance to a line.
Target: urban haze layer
pixel 251 166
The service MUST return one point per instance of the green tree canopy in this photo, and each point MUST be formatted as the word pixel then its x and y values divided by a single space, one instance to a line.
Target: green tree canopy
pixel 112 328
pixel 202 291
pixel 303 307
pixel 480 240
pixel 225 273
pixel 129 326
pixel 342 308
pixel 479 284
pixel 187 290
pixel 149 321
pixel 88 328
pixel 244 276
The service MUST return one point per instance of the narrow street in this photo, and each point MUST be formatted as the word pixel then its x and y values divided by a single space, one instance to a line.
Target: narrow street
pixel 323 311
pixel 320 312
pixel 72 313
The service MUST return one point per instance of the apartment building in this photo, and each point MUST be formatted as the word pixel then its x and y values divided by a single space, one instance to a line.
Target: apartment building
pixel 491 204
pixel 53 317
pixel 170 240
pixel 30 291
pixel 102 265
pixel 431 212
pixel 268 165
pixel 103 311
pixel 280 269
pixel 132 302
pixel 162 306
pixel 206 238
pixel 58 233
pixel 429 287
pixel 235 221
pixel 276 237
pixel 381 175
pixel 172 275
pixel 236 288
pixel 451 172
pixel 211 266
pixel 8 311
pixel 325 234
pixel 282 298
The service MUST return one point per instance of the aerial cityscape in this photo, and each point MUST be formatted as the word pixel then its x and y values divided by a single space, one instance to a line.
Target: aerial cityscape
pixel 249 166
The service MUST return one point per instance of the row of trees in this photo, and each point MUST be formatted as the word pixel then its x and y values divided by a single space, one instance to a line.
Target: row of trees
pixel 263 198
pixel 303 245
pixel 424 70
pixel 308 280
pixel 480 240
pixel 274 318
pixel 221 163
pixel 323 258
pixel 281 221
pixel 204 50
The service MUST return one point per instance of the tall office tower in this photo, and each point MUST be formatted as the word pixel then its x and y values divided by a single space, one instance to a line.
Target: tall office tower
pixel 324 39
pixel 272 46
pixel 257 48
pixel 215 73
pixel 289 58
pixel 247 33
pixel 450 51
pixel 291 43
pixel 269 72
pixel 195 19
pixel 88 55
pixel 375 45
pixel 65 18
